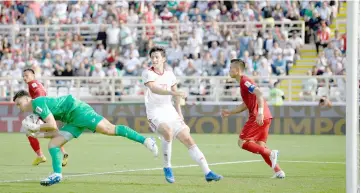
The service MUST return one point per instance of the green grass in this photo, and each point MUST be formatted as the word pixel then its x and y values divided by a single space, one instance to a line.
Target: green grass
pixel 93 153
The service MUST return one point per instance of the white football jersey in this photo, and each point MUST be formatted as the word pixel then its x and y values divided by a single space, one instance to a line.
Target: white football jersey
pixel 165 81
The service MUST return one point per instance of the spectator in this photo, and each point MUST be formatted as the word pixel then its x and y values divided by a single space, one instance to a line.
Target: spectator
pixel 329 51
pixel 269 42
pixel 248 13
pixel 296 43
pixel 309 87
pixel 279 66
pixel 256 62
pixel 131 65
pixel 264 71
pixel 248 61
pixel 337 40
pixel 174 52
pixel 100 54
pixel 207 62
pixel 81 70
pixel 289 54
pixel 68 71
pixel 213 34
pixel 214 50
pixel 126 38
pixel 166 15
pixel 275 51
pixel 219 66
pixel 113 71
pixel 276 95
pixel 325 12
pixel 98 73
pixel 132 49
pixel 321 62
pixel 113 34
pixel 323 37
pixel 101 36
pixel 194 45
pixel 244 42
pixel 258 44
pixel 190 70
pixel 226 49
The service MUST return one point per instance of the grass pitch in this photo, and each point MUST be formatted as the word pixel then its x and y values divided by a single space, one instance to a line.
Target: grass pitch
pixel 313 164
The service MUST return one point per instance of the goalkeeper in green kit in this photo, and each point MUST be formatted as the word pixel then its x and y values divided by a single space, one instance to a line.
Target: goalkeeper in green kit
pixel 76 116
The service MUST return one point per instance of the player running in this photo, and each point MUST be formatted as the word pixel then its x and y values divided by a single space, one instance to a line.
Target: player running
pixel 254 134
pixel 36 89
pixel 76 116
pixel 164 118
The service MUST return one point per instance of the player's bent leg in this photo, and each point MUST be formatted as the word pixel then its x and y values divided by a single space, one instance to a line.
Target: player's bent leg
pixel 35 145
pixel 107 128
pixel 196 154
pixel 56 156
pixel 167 136
pixel 272 160
pixel 252 146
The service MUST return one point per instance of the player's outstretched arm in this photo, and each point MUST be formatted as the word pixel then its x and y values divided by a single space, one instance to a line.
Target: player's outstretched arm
pixel 157 90
pixel 177 102
pixel 239 109
pixel 49 125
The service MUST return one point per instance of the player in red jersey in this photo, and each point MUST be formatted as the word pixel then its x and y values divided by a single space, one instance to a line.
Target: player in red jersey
pixel 254 134
pixel 36 89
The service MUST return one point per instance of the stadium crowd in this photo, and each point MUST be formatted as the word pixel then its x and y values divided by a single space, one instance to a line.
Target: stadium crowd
pixel 120 51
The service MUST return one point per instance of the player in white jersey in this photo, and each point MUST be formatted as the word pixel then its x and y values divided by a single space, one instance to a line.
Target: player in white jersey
pixel 164 118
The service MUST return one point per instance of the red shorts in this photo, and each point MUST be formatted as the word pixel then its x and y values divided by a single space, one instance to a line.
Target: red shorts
pixel 252 131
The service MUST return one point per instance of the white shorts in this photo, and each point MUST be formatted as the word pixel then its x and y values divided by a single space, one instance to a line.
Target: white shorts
pixel 168 115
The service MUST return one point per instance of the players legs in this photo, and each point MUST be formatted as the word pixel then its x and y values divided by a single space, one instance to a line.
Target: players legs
pixel 279 173
pixel 178 129
pixel 35 145
pixel 58 139
pixel 253 139
pixel 107 128
pixel 167 137
pixel 196 154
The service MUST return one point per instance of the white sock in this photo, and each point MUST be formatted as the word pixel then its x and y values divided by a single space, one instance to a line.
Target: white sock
pixel 198 156
pixel 167 152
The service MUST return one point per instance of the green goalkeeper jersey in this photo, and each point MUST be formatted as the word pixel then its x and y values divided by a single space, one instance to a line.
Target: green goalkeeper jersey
pixel 60 107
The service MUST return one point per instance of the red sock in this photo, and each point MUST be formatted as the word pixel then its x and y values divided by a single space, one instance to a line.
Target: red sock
pixel 62 150
pixel 255 148
pixel 34 143
pixel 268 161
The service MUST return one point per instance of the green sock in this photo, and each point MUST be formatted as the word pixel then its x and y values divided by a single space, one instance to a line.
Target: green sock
pixel 56 157
pixel 125 131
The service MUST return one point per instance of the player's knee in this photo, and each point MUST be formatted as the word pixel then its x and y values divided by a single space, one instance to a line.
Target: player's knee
pixel 242 142
pixel 52 145
pixel 107 131
pixel 165 131
pixel 186 139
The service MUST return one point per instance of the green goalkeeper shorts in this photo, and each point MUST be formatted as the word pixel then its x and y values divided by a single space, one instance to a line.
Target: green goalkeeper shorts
pixel 82 117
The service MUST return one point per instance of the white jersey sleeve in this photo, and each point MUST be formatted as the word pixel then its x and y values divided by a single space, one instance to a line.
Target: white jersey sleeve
pixel 164 81
pixel 148 76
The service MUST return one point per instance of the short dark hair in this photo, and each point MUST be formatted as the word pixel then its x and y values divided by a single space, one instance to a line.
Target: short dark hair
pixel 240 62
pixel 157 49
pixel 30 70
pixel 19 94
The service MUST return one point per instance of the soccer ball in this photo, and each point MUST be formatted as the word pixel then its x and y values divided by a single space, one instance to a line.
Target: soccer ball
pixel 33 118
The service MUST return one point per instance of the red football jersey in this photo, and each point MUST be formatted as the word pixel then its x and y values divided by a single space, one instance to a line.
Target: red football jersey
pixel 36 89
pixel 247 87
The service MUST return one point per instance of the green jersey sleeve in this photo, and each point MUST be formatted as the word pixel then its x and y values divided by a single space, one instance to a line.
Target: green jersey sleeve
pixel 41 108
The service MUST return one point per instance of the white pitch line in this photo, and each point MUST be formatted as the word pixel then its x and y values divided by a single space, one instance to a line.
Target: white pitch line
pixel 311 162
pixel 182 166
